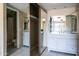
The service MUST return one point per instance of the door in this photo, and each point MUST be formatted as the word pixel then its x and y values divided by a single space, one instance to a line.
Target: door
pixel 11 31
pixel 34 37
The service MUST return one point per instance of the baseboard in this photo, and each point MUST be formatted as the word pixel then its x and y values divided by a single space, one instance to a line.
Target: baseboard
pixel 63 52
pixel 25 46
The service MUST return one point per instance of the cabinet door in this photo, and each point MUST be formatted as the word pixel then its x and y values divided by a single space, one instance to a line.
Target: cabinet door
pixel 51 42
pixel 71 45
pixel 60 44
pixel 26 39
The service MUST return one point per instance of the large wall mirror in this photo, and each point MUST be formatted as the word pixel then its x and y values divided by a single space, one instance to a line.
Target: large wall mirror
pixel 63 24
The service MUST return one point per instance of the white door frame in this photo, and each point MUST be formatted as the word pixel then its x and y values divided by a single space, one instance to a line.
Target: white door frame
pixel 18 41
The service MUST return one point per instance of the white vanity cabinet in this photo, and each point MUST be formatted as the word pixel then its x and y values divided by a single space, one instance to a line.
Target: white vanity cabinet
pixel 26 39
pixel 63 43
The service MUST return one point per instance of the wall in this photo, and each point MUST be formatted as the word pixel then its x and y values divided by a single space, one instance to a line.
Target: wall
pixel 61 12
pixel 2 29
pixel 26 33
pixel 42 41
pixel 21 23
pixel 77 7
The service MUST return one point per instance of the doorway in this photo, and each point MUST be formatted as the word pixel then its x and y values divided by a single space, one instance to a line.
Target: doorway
pixel 34 45
pixel 11 31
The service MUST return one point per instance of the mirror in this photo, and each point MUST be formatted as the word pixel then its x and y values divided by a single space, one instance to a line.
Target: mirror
pixel 71 23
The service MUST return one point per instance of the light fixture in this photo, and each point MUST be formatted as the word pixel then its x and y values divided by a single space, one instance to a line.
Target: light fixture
pixel 43 19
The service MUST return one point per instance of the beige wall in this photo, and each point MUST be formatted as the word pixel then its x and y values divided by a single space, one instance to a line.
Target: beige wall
pixel 77 7
pixel 21 23
pixel 43 16
pixel 2 29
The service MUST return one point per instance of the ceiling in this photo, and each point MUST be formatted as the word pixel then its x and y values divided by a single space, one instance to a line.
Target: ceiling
pixel 21 6
pixel 47 6
pixel 50 6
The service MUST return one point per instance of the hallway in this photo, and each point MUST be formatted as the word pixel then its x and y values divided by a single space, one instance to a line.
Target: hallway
pixel 39 26
pixel 57 30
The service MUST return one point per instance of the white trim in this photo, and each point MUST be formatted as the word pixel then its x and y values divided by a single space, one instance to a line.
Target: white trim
pixel 12 8
pixel 5 31
pixel 17 24
pixel 18 30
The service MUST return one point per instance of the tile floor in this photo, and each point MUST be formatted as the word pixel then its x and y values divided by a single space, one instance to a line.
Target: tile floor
pixel 24 51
